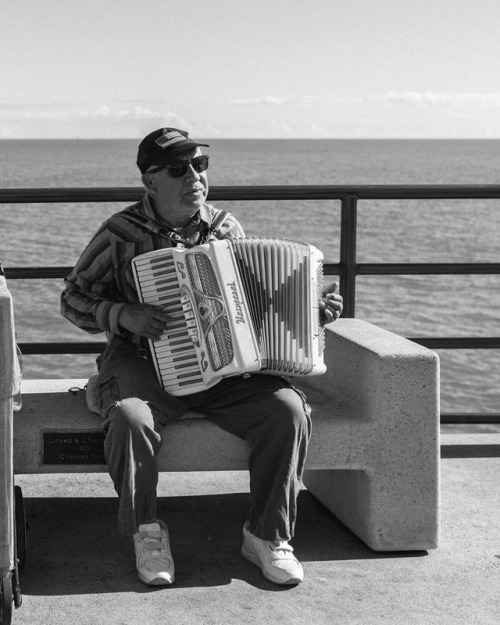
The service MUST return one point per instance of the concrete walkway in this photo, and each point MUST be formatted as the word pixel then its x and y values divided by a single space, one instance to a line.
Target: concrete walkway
pixel 79 571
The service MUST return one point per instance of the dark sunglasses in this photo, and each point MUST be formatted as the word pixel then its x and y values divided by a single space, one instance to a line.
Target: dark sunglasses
pixel 198 163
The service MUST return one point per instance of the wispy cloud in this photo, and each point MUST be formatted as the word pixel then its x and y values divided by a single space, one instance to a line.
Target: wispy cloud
pixel 101 120
pixel 265 100
pixel 413 98
pixel 301 101
pixel 132 112
pixel 391 114
pixel 443 99
pixel 67 112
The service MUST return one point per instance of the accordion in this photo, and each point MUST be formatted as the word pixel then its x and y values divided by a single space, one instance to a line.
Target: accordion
pixel 236 306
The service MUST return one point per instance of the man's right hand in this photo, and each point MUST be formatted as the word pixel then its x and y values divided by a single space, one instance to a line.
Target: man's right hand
pixel 143 320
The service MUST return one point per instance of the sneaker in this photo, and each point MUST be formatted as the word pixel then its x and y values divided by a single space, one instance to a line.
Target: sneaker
pixel 275 559
pixel 154 561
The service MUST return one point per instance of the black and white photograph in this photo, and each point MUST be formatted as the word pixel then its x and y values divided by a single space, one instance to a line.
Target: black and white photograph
pixel 249 312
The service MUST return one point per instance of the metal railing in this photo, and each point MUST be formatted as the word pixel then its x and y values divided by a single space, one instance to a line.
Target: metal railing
pixel 347 269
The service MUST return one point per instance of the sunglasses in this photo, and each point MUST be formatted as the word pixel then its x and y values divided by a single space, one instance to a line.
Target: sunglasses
pixel 198 163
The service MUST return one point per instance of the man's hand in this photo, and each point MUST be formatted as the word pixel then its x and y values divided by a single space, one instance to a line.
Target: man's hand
pixel 331 304
pixel 143 320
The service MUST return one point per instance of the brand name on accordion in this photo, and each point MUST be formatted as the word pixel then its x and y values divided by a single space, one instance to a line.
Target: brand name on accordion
pixel 238 304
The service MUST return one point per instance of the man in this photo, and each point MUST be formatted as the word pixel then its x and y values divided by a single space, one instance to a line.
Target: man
pixel 266 411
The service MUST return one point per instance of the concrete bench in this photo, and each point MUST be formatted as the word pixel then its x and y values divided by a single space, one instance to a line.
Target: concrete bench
pixel 374 453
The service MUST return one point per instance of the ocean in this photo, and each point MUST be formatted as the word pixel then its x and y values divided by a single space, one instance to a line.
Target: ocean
pixel 388 231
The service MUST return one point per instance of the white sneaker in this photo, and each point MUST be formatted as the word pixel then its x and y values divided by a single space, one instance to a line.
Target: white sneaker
pixel 275 559
pixel 154 561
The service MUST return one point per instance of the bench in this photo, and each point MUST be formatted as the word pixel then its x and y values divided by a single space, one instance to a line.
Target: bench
pixel 373 459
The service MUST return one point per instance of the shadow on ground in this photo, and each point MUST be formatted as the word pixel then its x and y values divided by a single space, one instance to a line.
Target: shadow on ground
pixel 74 547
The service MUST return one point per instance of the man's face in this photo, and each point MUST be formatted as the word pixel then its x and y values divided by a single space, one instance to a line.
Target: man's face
pixel 178 199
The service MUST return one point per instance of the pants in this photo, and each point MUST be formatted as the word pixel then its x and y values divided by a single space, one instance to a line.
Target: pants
pixel 266 411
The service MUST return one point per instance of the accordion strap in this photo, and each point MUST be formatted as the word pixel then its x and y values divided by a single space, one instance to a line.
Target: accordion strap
pixel 217 222
pixel 146 223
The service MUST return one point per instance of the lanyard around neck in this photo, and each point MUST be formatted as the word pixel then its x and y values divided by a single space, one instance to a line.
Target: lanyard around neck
pixel 164 230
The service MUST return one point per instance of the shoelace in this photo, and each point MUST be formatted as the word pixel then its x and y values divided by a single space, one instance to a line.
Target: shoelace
pixel 281 549
pixel 153 541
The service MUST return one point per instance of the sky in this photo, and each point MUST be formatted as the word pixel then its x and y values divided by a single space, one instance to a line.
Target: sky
pixel 250 68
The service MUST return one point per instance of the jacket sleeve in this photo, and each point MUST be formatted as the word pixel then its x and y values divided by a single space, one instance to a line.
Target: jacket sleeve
pixel 90 299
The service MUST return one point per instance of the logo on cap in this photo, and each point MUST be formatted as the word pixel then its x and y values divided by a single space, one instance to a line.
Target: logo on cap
pixel 169 138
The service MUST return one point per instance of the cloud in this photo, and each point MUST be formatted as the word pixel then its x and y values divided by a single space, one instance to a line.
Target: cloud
pixel 390 115
pixel 410 98
pixel 302 101
pixel 90 121
pixel 136 119
pixel 487 100
pixel 133 112
pixel 266 100
pixel 67 112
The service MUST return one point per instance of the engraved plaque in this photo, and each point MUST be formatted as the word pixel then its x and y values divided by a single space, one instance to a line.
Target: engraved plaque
pixel 74 447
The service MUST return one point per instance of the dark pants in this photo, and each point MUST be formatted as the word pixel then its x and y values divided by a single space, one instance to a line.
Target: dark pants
pixel 266 411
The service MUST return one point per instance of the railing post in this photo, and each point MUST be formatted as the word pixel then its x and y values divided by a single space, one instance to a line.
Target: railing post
pixel 348 239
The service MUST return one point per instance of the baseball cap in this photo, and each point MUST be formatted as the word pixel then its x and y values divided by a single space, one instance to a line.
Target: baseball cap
pixel 163 146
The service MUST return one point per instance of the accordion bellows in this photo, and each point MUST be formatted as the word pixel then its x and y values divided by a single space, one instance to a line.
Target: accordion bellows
pixel 236 306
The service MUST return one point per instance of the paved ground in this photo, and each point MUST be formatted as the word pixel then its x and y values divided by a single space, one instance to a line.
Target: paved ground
pixel 79 571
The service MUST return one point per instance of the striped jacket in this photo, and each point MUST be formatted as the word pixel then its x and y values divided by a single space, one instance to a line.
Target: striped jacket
pixel 102 283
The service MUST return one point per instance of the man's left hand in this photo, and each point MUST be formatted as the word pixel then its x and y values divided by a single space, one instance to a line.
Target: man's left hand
pixel 331 304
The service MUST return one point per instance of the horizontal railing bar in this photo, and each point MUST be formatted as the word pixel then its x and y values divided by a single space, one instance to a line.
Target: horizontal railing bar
pixel 472 418
pixel 96 347
pixel 266 192
pixel 69 194
pixel 31 273
pixel 381 269
pixel 361 192
pixel 365 269
pixel 39 273
pixel 37 349
pixel 480 342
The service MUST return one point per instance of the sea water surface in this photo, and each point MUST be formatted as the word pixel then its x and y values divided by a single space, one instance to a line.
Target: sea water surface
pixel 389 231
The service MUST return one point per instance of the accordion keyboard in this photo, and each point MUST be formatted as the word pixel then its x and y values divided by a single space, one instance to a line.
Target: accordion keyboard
pixel 174 352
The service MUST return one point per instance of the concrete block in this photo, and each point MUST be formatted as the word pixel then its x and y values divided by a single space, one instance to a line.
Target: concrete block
pixel 387 490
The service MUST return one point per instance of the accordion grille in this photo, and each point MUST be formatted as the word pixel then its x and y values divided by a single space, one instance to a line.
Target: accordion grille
pixel 205 279
pixel 209 301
